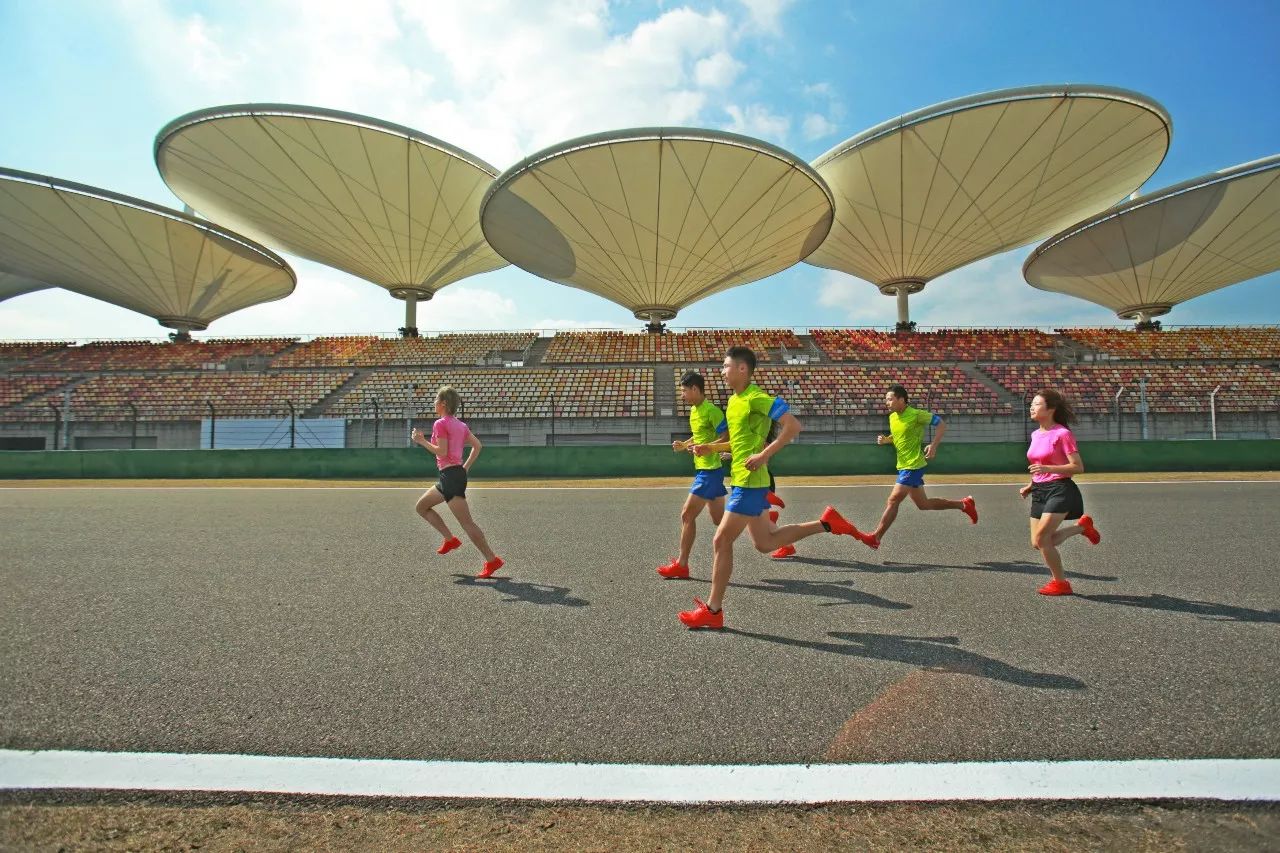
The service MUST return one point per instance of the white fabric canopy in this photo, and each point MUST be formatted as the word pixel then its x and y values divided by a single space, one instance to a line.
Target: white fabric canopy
pixel 16 285
pixel 934 190
pixel 654 219
pixel 385 203
pixel 180 270
pixel 1156 251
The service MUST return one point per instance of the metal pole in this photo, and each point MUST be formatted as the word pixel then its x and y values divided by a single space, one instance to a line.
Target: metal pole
pixel 133 438
pixel 409 408
pixel 1119 431
pixel 293 424
pixel 213 422
pixel 66 415
pixel 377 422
pixel 1142 405
pixel 57 425
pixel 552 400
pixel 1213 412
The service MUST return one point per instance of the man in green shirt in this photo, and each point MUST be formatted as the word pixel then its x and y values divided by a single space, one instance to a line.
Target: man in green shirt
pixel 706 424
pixel 749 414
pixel 906 434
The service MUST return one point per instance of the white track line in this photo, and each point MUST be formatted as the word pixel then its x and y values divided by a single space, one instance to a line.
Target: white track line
pixel 783 485
pixel 1217 779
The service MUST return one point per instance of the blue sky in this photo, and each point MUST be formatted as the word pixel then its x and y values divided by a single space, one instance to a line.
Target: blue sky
pixel 89 84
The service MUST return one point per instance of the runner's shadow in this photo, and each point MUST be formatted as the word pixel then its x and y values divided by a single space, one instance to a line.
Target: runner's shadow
pixel 933 654
pixel 857 566
pixel 1019 567
pixel 840 592
pixel 1204 609
pixel 534 593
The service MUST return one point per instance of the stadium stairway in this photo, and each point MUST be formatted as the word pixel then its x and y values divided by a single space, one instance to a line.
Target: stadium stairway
pixel 322 405
pixel 811 349
pixel 664 383
pixel 537 349
pixel 1003 394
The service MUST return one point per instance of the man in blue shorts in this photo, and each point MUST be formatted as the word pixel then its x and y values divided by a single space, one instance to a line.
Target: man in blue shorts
pixel 706 424
pixel 749 414
pixel 906 434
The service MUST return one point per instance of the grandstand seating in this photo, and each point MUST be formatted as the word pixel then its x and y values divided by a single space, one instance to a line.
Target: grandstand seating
pixel 859 390
pixel 185 395
pixel 144 355
pixel 699 347
pixel 168 381
pixel 15 389
pixel 369 351
pixel 506 393
pixel 1184 344
pixel 337 351
pixel 1170 388
pixel 444 349
pixel 11 353
pixel 942 345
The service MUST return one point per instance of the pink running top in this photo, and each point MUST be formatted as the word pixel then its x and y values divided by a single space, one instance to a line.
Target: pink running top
pixel 1050 447
pixel 456 432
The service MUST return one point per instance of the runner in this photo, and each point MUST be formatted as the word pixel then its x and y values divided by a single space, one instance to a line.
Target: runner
pixel 906 434
pixel 749 414
pixel 706 423
pixel 1055 497
pixel 448 435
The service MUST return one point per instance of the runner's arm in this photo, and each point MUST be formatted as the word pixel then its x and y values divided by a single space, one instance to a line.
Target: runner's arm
pixel 476 447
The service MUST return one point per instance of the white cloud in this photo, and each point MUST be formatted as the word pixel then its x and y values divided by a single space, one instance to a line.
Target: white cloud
pixel 816 127
pixel 989 293
pixel 756 120
pixel 501 78
pixel 717 71
pixel 60 315
pixel 766 15
pixel 853 301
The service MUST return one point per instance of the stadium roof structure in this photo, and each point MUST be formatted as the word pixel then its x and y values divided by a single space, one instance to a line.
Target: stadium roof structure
pixel 933 190
pixel 16 285
pixel 386 203
pixel 180 270
pixel 656 218
pixel 1153 252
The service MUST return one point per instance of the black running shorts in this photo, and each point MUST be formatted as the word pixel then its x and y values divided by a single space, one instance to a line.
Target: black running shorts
pixel 453 482
pixel 1057 496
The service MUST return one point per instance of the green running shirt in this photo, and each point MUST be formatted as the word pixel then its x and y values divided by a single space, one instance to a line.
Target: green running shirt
pixel 749 415
pixel 706 423
pixel 907 429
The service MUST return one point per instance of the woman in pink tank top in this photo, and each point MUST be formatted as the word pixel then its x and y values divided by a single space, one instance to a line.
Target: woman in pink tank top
pixel 1055 497
pixel 448 436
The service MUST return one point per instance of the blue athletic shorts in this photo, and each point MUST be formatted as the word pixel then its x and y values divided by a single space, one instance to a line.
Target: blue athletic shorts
pixel 911 477
pixel 746 501
pixel 708 484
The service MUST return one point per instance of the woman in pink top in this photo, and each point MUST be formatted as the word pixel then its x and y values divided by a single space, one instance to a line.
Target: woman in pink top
pixel 1055 497
pixel 448 435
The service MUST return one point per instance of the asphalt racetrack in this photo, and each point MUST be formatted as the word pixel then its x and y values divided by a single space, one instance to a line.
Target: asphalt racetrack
pixel 320 622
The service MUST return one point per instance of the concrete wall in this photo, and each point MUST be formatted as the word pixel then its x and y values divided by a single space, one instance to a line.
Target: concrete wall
pixel 622 461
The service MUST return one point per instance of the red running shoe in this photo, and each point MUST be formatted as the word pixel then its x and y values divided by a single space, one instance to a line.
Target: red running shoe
pixel 1088 530
pixel 701 616
pixel 490 567
pixel 673 570
pixel 970 508
pixel 1056 588
pixel 784 551
pixel 841 526
pixel 449 544
pixel 774 500
pixel 773 516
